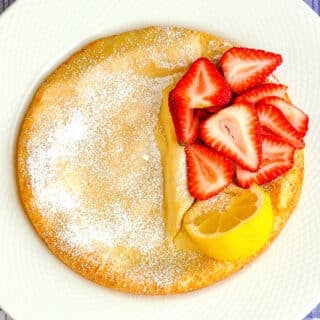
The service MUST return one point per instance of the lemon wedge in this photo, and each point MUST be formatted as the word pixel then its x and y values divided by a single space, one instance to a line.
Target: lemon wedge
pixel 235 229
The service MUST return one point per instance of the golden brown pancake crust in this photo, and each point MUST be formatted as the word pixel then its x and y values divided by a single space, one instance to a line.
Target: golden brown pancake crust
pixel 65 180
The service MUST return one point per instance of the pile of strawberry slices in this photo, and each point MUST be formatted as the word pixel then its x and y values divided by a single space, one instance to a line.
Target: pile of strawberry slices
pixel 235 125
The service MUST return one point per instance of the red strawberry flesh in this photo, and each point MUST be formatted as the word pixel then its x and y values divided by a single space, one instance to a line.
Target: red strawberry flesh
pixel 202 86
pixel 245 68
pixel 260 92
pixel 274 120
pixel 277 159
pixel 297 118
pixel 208 171
pixel 186 122
pixel 233 132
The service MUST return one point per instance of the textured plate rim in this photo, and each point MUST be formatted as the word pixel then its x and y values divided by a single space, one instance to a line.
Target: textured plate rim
pixel 20 9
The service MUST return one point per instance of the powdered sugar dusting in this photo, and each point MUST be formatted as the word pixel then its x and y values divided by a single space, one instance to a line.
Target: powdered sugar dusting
pixel 61 143
pixel 118 228
pixel 93 160
pixel 82 149
pixel 215 49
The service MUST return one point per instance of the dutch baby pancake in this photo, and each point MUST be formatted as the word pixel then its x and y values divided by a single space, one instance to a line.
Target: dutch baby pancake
pixel 99 166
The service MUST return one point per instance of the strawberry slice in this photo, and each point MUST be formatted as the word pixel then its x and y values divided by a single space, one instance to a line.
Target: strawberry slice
pixel 245 68
pixel 202 86
pixel 185 120
pixel 202 113
pixel 297 118
pixel 214 109
pixel 274 120
pixel 277 159
pixel 266 132
pixel 260 92
pixel 208 171
pixel 233 132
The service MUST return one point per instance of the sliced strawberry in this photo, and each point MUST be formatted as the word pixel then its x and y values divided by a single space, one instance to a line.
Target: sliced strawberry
pixel 202 86
pixel 277 159
pixel 202 113
pixel 185 120
pixel 214 109
pixel 233 132
pixel 260 92
pixel 297 118
pixel 266 132
pixel 245 68
pixel 274 120
pixel 208 171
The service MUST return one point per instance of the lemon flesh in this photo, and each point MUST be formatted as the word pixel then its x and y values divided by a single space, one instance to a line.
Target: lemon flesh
pixel 237 226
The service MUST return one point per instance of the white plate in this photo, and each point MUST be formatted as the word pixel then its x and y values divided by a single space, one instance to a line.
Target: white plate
pixel 284 283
